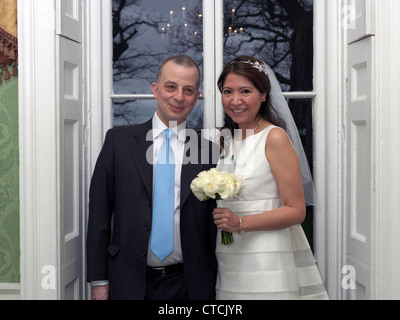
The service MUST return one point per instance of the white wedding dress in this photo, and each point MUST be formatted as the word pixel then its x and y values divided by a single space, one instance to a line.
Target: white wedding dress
pixel 261 265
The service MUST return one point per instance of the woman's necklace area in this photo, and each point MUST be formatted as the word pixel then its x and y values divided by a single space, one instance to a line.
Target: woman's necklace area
pixel 235 147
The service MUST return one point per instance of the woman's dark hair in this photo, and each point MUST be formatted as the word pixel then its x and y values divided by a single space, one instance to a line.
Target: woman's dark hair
pixel 259 79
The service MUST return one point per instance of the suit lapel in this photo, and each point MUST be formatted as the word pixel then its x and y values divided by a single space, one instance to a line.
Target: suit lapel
pixel 140 147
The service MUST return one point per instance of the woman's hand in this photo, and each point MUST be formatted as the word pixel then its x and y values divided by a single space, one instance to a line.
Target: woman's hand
pixel 226 220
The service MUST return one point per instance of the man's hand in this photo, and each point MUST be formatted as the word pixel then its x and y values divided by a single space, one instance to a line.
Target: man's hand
pixel 100 292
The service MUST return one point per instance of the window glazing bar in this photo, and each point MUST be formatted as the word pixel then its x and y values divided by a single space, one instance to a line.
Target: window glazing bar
pixel 288 95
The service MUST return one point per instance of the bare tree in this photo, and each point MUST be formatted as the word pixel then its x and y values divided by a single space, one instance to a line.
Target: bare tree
pixel 273 31
pixel 187 37
pixel 132 60
pixel 129 24
pixel 278 31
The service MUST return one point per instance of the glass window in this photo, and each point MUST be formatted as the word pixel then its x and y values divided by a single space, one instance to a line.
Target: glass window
pixel 280 32
pixel 302 113
pixel 144 34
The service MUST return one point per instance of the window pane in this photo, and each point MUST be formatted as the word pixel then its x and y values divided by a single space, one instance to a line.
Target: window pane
pixel 146 32
pixel 302 113
pixel 280 32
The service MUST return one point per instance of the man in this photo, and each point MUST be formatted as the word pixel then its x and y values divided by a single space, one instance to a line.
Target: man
pixel 121 262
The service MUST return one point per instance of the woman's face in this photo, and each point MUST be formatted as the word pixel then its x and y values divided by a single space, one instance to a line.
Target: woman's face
pixel 241 100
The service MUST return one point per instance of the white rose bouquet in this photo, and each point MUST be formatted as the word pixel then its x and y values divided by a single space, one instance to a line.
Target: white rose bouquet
pixel 217 185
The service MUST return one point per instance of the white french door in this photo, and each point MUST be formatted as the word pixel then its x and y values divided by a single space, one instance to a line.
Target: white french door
pixel 359 187
pixel 69 35
pixel 358 173
pixel 52 112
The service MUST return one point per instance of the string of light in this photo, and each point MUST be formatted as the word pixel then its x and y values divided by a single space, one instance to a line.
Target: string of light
pixel 176 20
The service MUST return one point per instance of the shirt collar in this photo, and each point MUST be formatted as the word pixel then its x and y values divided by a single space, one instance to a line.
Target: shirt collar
pixel 159 127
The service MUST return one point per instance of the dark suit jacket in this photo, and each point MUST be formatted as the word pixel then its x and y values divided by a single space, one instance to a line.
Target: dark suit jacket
pixel 120 216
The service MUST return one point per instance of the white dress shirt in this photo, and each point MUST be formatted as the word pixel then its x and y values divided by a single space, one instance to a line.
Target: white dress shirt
pixel 177 142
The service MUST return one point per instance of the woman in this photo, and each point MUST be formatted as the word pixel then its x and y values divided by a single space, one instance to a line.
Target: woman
pixel 262 263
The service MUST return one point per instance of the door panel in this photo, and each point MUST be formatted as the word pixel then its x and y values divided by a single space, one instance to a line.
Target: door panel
pixel 359 158
pixel 69 19
pixel 70 95
pixel 360 24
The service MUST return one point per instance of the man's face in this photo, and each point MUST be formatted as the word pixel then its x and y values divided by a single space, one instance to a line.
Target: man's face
pixel 176 92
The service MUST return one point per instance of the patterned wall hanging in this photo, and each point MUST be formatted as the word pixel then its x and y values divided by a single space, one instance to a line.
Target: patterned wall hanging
pixel 8 56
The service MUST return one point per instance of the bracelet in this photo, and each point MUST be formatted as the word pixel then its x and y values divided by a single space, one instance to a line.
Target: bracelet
pixel 241 231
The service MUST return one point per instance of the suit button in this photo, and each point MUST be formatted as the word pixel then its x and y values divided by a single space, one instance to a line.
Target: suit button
pixel 144 253
pixel 147 228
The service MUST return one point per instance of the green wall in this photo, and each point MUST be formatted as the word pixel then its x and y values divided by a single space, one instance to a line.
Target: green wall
pixel 9 182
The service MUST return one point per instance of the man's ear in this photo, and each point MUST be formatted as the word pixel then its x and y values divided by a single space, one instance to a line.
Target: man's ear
pixel 154 89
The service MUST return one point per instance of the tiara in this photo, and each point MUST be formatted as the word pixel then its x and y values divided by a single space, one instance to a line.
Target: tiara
pixel 262 67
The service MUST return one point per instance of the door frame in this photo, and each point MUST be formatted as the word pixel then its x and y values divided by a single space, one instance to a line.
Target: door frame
pixel 385 115
pixel 39 147
pixel 329 86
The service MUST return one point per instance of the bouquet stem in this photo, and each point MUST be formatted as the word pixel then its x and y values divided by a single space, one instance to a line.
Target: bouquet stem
pixel 227 238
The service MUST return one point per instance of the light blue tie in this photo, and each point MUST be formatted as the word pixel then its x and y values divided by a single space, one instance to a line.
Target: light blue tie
pixel 162 234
